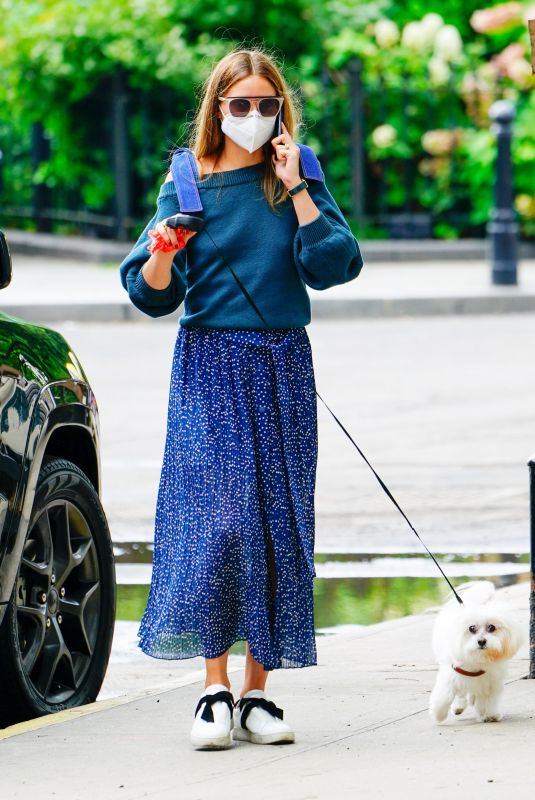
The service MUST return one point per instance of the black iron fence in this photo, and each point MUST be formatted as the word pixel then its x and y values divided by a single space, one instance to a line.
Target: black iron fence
pixel 121 134
pixel 124 135
pixel 420 181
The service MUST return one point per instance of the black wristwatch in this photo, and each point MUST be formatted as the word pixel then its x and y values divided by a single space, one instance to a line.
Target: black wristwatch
pixel 298 188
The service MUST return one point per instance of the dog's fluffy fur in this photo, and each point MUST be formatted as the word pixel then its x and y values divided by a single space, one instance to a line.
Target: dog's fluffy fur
pixel 481 634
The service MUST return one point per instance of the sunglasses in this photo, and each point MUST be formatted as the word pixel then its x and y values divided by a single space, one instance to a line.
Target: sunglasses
pixel 241 106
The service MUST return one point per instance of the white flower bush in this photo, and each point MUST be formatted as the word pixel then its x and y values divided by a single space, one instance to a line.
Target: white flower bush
pixel 384 136
pixel 439 71
pixel 448 44
pixel 386 33
pixel 413 37
pixel 423 75
pixel 520 72
pixel 441 141
pixel 429 27
pixel 432 22
pixel 420 35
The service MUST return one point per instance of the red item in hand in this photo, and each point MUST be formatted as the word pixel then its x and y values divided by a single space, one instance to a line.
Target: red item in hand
pixel 159 242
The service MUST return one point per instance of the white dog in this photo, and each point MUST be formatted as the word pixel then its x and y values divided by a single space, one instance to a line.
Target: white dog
pixel 472 644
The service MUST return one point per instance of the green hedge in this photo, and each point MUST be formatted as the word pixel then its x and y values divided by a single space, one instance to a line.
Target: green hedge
pixel 57 58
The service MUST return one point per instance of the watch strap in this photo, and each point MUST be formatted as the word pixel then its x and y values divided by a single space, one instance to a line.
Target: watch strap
pixel 298 188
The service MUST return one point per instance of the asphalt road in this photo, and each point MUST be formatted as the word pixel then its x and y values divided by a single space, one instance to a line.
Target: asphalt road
pixel 441 406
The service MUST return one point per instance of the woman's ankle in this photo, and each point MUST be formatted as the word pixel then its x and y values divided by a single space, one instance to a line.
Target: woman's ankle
pixel 251 686
pixel 209 682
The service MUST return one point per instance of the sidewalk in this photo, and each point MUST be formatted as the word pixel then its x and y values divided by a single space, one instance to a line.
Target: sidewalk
pixel 45 289
pixel 360 719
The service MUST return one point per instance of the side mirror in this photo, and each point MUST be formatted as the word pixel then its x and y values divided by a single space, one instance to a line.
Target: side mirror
pixel 5 263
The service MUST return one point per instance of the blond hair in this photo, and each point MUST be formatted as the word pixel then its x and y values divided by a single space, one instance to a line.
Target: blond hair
pixel 206 137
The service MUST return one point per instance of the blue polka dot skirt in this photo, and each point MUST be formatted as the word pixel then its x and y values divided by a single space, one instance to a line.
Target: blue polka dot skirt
pixel 234 525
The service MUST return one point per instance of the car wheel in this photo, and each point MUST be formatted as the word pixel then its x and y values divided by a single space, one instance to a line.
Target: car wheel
pixel 56 635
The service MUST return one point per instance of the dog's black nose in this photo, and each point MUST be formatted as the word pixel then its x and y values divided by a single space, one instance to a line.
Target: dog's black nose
pixel 482 642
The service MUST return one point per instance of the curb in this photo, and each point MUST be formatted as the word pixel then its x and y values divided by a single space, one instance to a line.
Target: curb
pixel 69 714
pixel 54 245
pixel 343 309
pixel 108 250
pixel 435 250
pixel 358 308
pixel 78 312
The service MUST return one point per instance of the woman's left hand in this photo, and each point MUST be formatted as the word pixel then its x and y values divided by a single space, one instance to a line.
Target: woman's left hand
pixel 287 165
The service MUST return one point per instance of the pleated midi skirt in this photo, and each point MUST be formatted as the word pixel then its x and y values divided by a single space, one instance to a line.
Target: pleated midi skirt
pixel 234 525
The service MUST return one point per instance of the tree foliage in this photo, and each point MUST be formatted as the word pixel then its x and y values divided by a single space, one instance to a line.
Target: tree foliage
pixel 58 59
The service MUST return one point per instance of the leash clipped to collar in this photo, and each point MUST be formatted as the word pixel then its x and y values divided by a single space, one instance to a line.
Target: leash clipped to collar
pixel 183 170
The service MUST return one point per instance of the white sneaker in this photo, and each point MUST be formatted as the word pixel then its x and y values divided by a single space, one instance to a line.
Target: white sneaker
pixel 258 720
pixel 213 718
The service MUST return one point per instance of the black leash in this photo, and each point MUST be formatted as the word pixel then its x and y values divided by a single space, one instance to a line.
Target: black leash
pixel 381 482
pixel 391 496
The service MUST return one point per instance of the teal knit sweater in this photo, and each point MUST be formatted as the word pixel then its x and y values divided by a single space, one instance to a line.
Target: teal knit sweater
pixel 274 257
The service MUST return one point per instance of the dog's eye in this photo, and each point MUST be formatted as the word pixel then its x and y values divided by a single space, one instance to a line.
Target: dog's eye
pixel 473 628
pixel 491 628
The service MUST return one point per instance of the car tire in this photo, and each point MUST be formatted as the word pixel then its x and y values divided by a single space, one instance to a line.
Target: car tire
pixel 57 632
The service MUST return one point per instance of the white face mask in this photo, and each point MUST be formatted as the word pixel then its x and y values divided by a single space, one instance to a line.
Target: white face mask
pixel 249 132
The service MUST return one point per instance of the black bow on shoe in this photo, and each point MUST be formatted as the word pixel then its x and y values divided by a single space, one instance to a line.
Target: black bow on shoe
pixel 210 699
pixel 245 704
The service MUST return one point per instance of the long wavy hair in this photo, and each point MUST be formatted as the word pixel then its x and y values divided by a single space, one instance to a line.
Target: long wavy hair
pixel 206 137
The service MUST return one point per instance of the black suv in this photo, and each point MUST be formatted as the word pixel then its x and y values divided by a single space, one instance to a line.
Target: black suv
pixel 57 571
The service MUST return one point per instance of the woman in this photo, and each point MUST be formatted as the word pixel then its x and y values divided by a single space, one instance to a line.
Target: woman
pixel 234 529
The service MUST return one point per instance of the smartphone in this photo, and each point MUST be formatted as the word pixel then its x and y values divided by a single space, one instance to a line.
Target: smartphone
pixel 188 221
pixel 279 129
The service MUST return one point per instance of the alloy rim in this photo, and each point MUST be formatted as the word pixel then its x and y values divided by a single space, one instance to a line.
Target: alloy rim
pixel 58 601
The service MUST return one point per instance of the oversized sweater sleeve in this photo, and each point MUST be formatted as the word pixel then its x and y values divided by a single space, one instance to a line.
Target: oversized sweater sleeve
pixel 325 251
pixel 154 302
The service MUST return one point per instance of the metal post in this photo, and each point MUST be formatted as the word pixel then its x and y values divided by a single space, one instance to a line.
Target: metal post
pixel 407 162
pixel 531 465
pixel 502 226
pixel 42 195
pixel 326 121
pixel 357 138
pixel 120 153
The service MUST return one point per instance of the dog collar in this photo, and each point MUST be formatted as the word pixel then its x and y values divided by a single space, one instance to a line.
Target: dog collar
pixel 462 671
